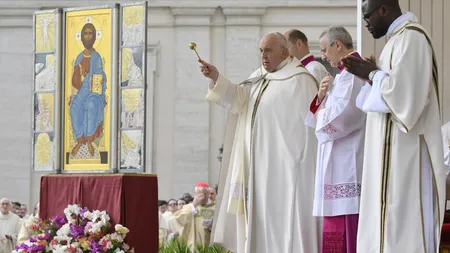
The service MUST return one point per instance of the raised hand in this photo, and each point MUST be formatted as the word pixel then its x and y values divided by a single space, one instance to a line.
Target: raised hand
pixel 359 67
pixel 209 70
pixel 324 84
pixel 199 199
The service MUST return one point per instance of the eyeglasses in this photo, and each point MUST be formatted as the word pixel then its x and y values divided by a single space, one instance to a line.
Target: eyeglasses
pixel 367 16
pixel 325 49
pixel 172 204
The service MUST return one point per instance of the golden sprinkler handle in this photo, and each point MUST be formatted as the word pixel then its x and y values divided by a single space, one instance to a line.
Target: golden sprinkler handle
pixel 193 46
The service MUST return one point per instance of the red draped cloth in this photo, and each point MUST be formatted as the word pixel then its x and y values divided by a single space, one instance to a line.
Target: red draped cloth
pixel 129 199
pixel 339 234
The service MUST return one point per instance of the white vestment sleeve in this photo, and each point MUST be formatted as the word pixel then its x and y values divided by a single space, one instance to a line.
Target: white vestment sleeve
pixel 229 95
pixel 311 120
pixel 339 116
pixel 407 89
pixel 369 99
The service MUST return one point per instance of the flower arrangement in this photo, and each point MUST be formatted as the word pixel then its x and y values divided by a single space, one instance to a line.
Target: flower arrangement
pixel 80 231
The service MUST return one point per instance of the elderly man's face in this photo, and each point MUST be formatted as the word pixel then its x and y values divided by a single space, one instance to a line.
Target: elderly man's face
pixel 329 52
pixel 5 206
pixel 272 53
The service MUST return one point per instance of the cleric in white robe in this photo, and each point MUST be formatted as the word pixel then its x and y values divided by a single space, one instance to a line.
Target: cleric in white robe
pixel 299 49
pixel 10 225
pixel 403 185
pixel 266 184
pixel 340 128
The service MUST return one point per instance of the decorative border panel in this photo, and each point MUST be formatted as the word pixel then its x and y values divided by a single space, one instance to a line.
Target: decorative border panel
pixel 132 87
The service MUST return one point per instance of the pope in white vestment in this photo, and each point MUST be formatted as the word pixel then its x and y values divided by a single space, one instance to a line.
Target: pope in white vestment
pixel 403 185
pixel 10 225
pixel 266 180
pixel 340 128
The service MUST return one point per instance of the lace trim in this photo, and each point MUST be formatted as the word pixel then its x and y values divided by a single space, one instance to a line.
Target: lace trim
pixel 328 129
pixel 339 191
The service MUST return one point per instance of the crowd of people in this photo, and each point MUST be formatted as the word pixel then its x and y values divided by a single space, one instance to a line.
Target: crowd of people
pixel 188 218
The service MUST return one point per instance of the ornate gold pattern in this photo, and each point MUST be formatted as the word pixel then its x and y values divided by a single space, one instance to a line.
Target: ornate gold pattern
pixel 127 56
pixel 133 15
pixel 43 149
pixel 45 117
pixel 131 98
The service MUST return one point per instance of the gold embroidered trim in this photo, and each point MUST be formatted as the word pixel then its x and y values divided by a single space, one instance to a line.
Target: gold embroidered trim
pixel 434 182
pixel 261 91
pixel 420 195
pixel 385 178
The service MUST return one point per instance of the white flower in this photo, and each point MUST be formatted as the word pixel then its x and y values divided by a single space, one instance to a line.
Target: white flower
pixel 121 229
pixel 96 227
pixel 119 251
pixel 64 230
pixel 116 237
pixel 88 215
pixel 95 215
pixel 104 217
pixel 71 209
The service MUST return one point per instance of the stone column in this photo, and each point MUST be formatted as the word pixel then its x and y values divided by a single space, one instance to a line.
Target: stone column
pixel 191 111
pixel 152 72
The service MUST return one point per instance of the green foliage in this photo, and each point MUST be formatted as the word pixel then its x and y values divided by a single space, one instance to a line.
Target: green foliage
pixel 179 246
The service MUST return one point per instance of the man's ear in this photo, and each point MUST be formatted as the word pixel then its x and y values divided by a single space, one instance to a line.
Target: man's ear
pixel 339 45
pixel 285 52
pixel 299 43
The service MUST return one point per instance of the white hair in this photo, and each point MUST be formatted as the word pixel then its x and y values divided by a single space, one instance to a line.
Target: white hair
pixel 5 199
pixel 337 32
pixel 281 39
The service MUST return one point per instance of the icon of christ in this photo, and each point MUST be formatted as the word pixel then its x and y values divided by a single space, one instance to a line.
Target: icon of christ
pixel 87 106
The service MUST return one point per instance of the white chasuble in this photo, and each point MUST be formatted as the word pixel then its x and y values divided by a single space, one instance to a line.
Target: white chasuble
pixel 340 128
pixel 267 176
pixel 403 185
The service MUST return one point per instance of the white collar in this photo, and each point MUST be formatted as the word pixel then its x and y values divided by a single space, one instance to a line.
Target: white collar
pixel 407 16
pixel 5 216
pixel 283 63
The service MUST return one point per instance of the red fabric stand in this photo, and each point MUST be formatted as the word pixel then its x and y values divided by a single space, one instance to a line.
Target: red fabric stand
pixel 129 199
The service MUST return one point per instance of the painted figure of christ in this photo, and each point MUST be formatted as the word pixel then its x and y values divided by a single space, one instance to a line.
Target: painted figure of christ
pixel 87 107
